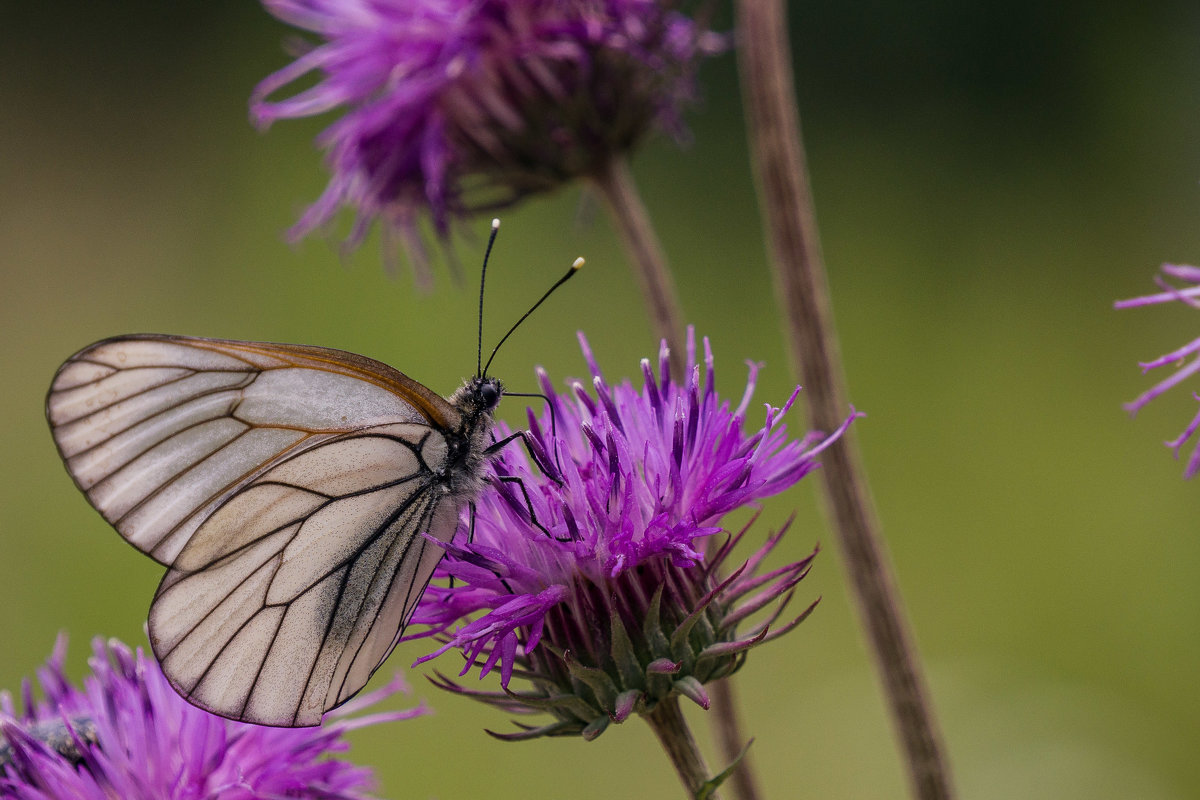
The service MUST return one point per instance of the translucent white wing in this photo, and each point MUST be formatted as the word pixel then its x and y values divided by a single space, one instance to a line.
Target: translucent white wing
pixel 159 430
pixel 286 487
pixel 291 593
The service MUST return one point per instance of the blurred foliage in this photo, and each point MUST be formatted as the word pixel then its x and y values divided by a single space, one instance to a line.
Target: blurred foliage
pixel 989 177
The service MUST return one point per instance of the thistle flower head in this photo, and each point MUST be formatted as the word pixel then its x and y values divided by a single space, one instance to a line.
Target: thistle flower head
pixel 1186 359
pixel 462 105
pixel 127 734
pixel 608 597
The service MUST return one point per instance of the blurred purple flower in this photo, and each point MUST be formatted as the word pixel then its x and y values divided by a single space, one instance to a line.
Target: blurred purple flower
pixel 457 106
pixel 1189 295
pixel 610 599
pixel 127 734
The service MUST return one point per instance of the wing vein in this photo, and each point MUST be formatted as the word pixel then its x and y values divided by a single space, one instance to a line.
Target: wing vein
pixel 328 500
pixel 369 540
pixel 146 390
pixel 325 636
pixel 423 520
pixel 171 434
pixel 275 571
pixel 174 407
pixel 174 478
pixel 220 650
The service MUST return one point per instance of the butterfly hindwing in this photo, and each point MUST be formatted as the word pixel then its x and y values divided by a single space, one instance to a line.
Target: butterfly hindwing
pixel 278 621
pixel 287 488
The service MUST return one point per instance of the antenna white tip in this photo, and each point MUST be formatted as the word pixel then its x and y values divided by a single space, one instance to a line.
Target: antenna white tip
pixel 577 263
pixel 496 224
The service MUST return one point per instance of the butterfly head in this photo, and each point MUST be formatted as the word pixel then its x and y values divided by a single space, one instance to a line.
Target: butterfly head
pixel 478 396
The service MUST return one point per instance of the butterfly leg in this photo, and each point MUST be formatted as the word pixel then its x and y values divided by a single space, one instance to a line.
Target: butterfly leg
pixel 529 506
pixel 535 452
pixel 482 563
pixel 553 434
pixel 470 531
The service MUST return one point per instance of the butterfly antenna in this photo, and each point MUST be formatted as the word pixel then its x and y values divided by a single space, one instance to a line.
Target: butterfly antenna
pixel 570 273
pixel 482 276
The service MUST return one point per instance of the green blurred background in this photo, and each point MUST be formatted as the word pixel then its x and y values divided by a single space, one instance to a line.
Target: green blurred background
pixel 989 178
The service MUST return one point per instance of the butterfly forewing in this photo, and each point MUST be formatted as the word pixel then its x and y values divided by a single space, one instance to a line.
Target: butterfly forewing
pixel 288 489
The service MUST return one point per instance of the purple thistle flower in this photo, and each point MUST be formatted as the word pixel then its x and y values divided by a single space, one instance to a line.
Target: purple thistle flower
pixel 1189 295
pixel 610 599
pixel 453 107
pixel 127 734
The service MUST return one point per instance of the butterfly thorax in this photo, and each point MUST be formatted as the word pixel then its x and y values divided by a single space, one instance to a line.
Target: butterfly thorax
pixel 475 400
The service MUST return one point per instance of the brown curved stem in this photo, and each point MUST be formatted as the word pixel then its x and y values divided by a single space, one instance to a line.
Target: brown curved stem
pixel 621 196
pixel 773 120
pixel 731 742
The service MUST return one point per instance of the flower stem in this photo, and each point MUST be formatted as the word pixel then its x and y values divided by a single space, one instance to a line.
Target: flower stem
pixel 781 174
pixel 616 186
pixel 668 724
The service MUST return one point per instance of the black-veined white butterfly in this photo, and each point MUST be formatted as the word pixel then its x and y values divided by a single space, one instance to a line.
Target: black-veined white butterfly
pixel 288 489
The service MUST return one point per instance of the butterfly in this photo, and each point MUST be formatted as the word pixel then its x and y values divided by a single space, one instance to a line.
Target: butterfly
pixel 291 491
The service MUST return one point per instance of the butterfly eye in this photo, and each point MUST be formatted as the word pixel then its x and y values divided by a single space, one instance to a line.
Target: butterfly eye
pixel 490 394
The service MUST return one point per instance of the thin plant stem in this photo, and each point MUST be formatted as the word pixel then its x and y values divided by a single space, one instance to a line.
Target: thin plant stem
pixel 668 724
pixel 617 188
pixel 619 191
pixel 731 742
pixel 781 175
